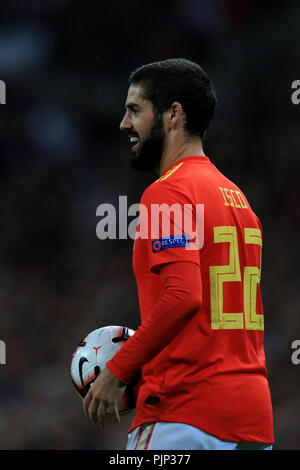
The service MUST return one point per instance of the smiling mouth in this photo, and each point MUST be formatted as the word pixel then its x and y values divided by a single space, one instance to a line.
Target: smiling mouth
pixel 134 140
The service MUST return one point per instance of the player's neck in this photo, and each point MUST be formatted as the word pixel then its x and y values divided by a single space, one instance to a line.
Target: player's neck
pixel 173 153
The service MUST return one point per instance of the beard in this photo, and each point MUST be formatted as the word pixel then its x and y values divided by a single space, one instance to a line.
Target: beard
pixel 149 152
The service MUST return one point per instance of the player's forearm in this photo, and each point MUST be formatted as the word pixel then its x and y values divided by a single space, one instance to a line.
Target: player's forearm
pixel 181 300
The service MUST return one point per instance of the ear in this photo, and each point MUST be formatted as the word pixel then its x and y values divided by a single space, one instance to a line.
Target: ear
pixel 175 115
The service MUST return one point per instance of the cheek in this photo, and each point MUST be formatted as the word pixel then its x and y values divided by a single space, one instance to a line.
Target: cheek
pixel 145 127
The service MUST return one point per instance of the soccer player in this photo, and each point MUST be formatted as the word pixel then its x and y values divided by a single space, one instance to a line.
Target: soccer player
pixel 200 344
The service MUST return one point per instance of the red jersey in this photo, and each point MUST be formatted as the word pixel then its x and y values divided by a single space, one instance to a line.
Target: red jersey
pixel 212 374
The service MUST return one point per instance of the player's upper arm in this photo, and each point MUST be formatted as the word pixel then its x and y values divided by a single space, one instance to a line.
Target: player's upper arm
pixel 173 225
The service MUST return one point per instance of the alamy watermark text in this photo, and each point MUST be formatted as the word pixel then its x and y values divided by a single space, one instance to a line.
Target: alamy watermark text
pixel 296 354
pixel 152 222
pixel 2 92
pixel 295 97
pixel 2 352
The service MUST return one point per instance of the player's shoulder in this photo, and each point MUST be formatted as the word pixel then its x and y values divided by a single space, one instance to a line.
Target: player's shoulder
pixel 177 180
pixel 188 168
pixel 161 191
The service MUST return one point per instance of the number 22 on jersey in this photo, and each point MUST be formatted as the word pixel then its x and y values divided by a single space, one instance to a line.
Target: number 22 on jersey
pixel 232 273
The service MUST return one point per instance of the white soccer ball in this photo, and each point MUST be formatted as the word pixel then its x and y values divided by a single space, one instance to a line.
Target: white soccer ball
pixel 91 356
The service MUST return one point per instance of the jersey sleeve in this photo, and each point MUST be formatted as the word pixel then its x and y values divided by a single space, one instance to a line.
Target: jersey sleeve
pixel 181 300
pixel 171 224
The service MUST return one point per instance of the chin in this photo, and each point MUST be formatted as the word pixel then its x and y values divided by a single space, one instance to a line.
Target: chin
pixel 148 155
pixel 139 165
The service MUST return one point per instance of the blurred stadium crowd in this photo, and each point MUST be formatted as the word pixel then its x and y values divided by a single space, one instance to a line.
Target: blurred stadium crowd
pixel 66 66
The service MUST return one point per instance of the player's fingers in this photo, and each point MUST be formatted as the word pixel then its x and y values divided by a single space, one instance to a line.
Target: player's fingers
pixel 93 411
pixel 115 413
pixel 102 411
pixel 87 401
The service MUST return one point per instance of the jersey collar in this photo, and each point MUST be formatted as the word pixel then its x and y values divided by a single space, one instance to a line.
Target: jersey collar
pixel 196 158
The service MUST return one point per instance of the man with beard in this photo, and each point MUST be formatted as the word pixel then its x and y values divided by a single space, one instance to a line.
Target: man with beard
pixel 200 344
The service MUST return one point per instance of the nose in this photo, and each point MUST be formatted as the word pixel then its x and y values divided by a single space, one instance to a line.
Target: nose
pixel 125 124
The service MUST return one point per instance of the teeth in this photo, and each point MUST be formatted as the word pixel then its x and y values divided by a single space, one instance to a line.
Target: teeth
pixel 134 139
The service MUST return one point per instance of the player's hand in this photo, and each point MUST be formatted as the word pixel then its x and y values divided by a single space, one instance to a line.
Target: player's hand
pixel 102 398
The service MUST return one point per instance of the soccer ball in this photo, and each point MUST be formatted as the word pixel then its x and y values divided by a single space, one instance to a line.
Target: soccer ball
pixel 91 356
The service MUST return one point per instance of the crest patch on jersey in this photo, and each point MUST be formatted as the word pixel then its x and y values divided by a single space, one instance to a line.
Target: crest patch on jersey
pixel 174 241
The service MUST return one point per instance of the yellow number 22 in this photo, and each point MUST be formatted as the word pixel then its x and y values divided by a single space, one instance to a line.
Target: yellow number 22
pixel 232 272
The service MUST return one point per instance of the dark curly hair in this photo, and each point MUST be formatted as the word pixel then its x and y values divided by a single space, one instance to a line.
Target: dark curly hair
pixel 179 80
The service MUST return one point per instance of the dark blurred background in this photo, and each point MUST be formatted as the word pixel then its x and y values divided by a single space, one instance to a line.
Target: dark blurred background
pixel 66 65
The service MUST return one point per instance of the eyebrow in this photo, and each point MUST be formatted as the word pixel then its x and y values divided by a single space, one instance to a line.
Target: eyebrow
pixel 132 106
